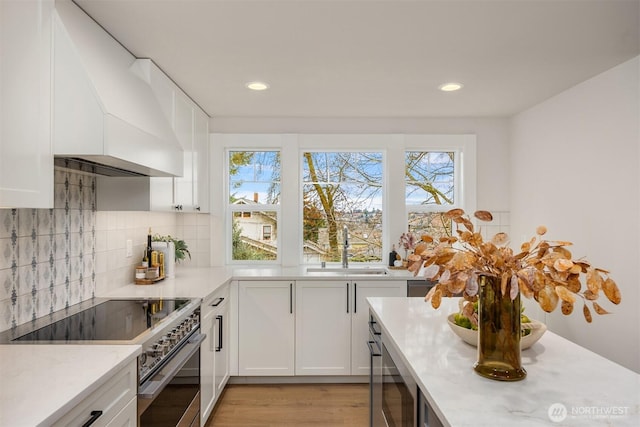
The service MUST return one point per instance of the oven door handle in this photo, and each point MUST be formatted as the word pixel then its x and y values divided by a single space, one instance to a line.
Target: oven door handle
pixel 151 388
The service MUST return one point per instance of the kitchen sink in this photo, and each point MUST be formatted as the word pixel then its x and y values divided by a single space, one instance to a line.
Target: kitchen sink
pixel 348 270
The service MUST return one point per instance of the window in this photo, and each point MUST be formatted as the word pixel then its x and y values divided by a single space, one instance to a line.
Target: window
pixel 254 198
pixel 288 196
pixel 266 232
pixel 430 190
pixel 342 189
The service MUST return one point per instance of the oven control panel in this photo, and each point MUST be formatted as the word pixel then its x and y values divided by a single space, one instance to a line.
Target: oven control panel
pixel 161 349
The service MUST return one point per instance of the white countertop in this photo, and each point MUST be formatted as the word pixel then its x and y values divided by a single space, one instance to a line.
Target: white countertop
pixel 200 282
pixel 41 383
pixel 558 371
pixel 188 283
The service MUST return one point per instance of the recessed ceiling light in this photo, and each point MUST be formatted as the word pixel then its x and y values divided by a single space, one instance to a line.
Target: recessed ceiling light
pixel 257 86
pixel 450 87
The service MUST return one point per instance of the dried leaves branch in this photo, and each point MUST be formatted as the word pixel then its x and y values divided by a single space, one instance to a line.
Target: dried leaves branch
pixel 543 269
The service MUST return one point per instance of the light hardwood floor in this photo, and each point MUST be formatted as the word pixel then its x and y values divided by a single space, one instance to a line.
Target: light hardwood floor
pixel 300 405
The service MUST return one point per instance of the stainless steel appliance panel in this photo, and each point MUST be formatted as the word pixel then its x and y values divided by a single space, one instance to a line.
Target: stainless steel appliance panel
pixel 171 397
pixel 376 418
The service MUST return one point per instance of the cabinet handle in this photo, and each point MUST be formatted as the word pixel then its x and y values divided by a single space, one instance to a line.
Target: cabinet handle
pixel 94 417
pixel 355 297
pixel 198 208
pixel 218 302
pixel 291 298
pixel 219 333
pixel 211 347
pixel 178 207
pixel 347 297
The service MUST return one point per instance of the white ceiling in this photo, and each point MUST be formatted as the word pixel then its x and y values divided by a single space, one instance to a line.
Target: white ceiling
pixel 364 58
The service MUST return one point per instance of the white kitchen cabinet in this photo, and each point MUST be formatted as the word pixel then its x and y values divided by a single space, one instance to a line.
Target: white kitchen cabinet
pixel 111 398
pixel 332 324
pixel 189 192
pixel 183 126
pixel 221 347
pixel 26 154
pixel 323 327
pixel 207 364
pixel 266 328
pixel 364 289
pixel 128 416
pixel 214 355
pixel 201 164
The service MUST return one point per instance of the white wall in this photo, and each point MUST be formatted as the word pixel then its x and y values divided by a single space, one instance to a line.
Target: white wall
pixel 575 168
pixel 491 134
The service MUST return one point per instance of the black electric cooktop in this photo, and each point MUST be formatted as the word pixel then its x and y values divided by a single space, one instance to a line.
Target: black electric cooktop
pixel 112 320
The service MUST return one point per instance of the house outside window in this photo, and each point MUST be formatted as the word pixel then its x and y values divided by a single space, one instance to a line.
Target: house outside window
pixel 381 184
pixel 254 197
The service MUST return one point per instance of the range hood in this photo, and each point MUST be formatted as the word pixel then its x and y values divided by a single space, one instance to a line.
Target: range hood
pixel 106 118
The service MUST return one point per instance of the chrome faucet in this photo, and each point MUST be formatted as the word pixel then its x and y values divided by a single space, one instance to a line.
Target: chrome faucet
pixel 345 248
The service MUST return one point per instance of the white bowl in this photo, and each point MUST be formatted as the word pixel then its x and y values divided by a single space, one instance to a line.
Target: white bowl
pixel 471 337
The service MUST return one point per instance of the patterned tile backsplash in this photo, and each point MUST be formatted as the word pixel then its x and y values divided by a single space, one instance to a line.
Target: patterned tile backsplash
pixel 53 258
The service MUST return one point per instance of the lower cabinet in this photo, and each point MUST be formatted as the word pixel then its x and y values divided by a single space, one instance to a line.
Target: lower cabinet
pixel 214 350
pixel 109 405
pixel 266 325
pixel 323 327
pixel 307 327
pixel 360 356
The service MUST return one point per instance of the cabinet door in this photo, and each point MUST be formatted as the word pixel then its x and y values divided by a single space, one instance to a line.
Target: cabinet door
pixel 221 372
pixel 266 328
pixel 26 156
pixel 207 363
pixel 183 119
pixel 201 161
pixel 359 321
pixel 323 328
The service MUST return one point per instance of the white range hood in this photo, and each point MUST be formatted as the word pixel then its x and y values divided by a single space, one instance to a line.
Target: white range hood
pixel 105 116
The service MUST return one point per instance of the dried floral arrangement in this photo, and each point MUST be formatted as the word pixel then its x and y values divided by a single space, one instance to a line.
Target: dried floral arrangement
pixel 408 242
pixel 543 270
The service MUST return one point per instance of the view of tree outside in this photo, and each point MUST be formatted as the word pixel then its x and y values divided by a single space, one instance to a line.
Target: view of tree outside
pixel 254 193
pixel 338 189
pixel 430 190
pixel 342 189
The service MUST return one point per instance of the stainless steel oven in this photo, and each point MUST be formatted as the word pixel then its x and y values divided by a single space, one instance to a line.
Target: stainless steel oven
pixel 168 331
pixel 171 395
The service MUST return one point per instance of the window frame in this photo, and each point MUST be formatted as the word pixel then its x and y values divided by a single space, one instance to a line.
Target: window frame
pixel 290 209
pixel 301 184
pixel 243 210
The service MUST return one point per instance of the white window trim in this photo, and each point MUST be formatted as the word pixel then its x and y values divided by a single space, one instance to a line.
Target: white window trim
pixel 291 147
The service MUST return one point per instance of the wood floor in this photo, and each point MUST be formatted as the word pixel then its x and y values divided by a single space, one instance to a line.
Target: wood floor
pixel 272 405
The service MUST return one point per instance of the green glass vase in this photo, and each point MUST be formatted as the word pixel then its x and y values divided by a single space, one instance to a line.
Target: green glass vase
pixel 498 332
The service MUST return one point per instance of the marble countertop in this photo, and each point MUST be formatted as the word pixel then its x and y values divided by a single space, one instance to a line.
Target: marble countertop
pixel 41 383
pixel 593 390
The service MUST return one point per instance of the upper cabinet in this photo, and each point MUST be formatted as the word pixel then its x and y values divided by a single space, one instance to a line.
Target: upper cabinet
pixel 191 126
pixel 26 155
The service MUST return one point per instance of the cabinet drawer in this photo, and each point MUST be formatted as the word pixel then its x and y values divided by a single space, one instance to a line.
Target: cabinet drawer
pixel 110 398
pixel 128 417
pixel 217 299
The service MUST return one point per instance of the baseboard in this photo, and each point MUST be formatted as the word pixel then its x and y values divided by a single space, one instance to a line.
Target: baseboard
pixel 351 379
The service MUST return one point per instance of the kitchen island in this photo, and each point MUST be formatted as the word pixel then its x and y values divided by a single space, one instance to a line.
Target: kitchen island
pixel 592 390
